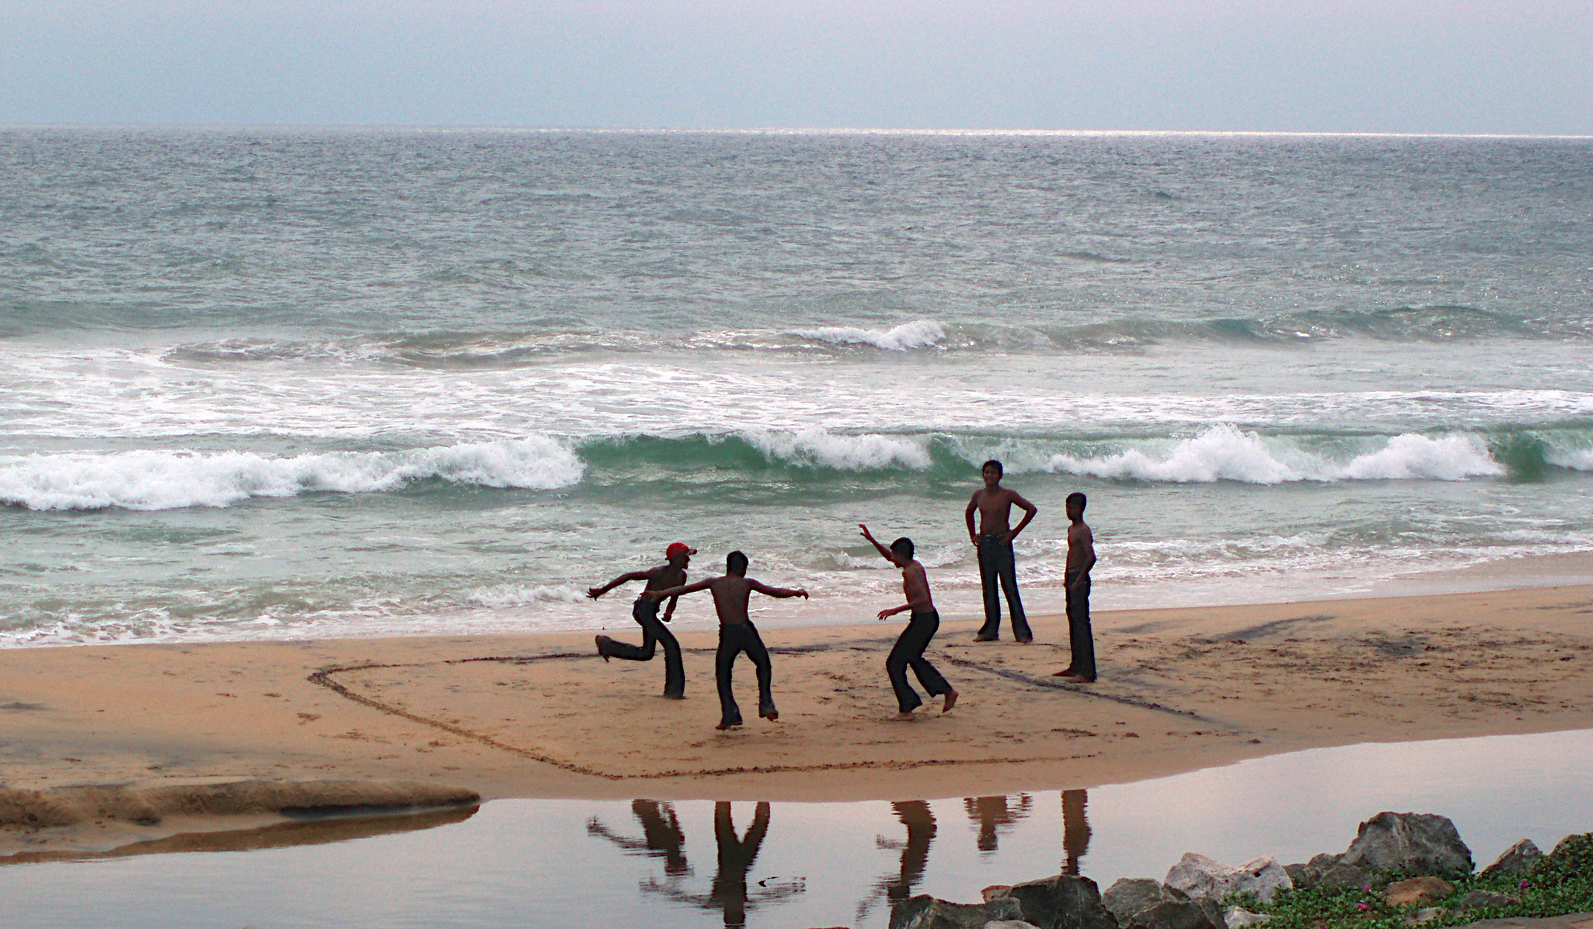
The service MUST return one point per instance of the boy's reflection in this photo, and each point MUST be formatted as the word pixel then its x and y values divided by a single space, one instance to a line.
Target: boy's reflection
pixel 661 835
pixel 992 813
pixel 920 823
pixel 729 892
pixel 1075 830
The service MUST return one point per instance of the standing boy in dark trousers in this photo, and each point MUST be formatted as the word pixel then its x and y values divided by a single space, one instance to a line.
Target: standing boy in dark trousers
pixel 645 612
pixel 921 626
pixel 1081 558
pixel 736 633
pixel 994 544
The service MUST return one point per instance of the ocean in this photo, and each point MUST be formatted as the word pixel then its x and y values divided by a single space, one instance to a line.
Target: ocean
pixel 283 384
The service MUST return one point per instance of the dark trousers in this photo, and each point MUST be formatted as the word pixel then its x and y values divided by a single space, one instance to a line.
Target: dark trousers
pixel 1079 635
pixel 654 632
pixel 733 640
pixel 908 652
pixel 996 564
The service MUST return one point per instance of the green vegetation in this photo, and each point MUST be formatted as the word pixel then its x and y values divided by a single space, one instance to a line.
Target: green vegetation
pixel 1558 884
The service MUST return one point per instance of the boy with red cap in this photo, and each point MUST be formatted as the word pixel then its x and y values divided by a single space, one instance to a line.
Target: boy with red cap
pixel 645 611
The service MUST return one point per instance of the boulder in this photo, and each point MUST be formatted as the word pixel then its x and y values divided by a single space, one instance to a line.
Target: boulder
pixel 1417 890
pixel 1516 862
pixel 1237 917
pixel 1062 902
pixel 926 912
pixel 1413 843
pixel 1204 879
pixel 1131 895
pixel 1344 876
pixel 1424 916
pixel 1009 924
pixel 1141 903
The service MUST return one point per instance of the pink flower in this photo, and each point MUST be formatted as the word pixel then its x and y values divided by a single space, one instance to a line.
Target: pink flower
pixel 1362 907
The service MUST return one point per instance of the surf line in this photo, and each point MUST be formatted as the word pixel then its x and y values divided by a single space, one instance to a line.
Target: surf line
pixel 324 678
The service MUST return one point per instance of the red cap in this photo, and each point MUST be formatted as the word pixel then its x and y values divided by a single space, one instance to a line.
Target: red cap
pixel 678 548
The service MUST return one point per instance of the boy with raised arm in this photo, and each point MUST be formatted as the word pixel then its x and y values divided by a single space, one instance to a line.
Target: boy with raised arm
pixel 993 543
pixel 645 611
pixel 921 627
pixel 731 592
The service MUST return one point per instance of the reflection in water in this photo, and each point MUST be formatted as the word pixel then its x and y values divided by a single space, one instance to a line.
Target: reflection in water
pixel 1075 830
pixel 920 822
pixel 729 891
pixel 993 813
pixel 661 835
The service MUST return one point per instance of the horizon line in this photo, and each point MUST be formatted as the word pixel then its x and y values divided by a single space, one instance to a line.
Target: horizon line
pixel 784 130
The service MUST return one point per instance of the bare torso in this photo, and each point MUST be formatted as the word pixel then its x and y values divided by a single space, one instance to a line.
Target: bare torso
pixel 1081 548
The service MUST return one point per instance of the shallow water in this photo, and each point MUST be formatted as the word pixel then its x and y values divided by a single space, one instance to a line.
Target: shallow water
pixel 566 863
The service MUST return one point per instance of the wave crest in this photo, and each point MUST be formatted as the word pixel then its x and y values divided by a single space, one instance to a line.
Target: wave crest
pixel 162 480
pixel 922 333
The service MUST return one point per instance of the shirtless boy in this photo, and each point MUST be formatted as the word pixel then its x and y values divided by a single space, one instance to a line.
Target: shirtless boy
pixel 731 592
pixel 1081 558
pixel 994 542
pixel 921 627
pixel 645 611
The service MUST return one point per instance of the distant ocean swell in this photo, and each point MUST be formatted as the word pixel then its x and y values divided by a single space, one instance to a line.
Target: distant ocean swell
pixel 534 344
pixel 168 479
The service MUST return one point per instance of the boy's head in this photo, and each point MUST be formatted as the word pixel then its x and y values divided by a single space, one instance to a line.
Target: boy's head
pixel 903 548
pixel 991 471
pixel 1075 505
pixel 736 563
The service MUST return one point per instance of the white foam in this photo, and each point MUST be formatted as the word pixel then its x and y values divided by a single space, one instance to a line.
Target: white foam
pixel 1576 459
pixel 161 480
pixel 919 334
pixel 1224 453
pixel 511 595
pixel 815 447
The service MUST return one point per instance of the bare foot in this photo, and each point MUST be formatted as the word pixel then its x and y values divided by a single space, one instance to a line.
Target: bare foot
pixel 951 701
pixel 985 638
pixel 1065 672
pixel 723 726
pixel 1077 679
pixel 600 649
pixel 771 716
pixel 902 718
pixel 1025 641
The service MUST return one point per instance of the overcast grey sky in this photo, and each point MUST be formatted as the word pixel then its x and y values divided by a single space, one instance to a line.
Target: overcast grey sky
pixel 1462 66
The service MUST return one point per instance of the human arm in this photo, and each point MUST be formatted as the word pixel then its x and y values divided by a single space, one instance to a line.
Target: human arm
pixel 1028 509
pixel 680 591
pixel 782 592
pixel 884 552
pixel 595 592
pixel 968 514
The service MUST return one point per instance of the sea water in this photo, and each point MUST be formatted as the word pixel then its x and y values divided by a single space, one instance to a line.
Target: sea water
pixel 283 384
pixel 701 863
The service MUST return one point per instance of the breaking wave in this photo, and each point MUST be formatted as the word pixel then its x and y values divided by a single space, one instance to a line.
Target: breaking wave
pixel 920 334
pixel 161 480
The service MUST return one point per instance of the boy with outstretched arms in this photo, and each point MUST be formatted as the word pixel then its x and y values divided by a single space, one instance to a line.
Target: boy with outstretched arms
pixel 993 543
pixel 921 627
pixel 731 592
pixel 645 611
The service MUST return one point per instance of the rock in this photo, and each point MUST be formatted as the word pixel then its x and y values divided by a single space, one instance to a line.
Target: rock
pixel 1417 890
pixel 1062 902
pixel 1237 917
pixel 1414 843
pixel 1424 916
pixel 1009 924
pixel 1515 863
pixel 994 891
pixel 1574 855
pixel 1299 874
pixel 1486 900
pixel 1204 879
pixel 926 912
pixel 1342 876
pixel 1131 895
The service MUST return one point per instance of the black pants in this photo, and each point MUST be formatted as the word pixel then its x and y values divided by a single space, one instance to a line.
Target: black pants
pixel 908 652
pixel 654 632
pixel 733 640
pixel 1080 638
pixel 997 565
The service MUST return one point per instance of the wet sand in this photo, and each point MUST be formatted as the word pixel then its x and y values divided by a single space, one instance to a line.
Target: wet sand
pixel 388 723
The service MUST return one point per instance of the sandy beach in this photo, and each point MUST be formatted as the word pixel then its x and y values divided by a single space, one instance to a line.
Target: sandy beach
pixel 105 746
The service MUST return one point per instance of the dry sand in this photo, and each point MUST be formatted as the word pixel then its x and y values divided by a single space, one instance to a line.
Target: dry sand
pixel 101 747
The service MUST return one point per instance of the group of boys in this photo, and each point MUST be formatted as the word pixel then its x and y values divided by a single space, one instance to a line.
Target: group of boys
pixel 732 591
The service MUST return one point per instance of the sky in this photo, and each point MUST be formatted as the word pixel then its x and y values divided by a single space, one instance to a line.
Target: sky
pixel 1402 66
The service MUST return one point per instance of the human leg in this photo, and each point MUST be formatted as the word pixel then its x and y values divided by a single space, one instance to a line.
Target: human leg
pixel 1081 640
pixel 760 660
pixel 1007 569
pixel 724 662
pixel 645 612
pixel 909 645
pixel 988 580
